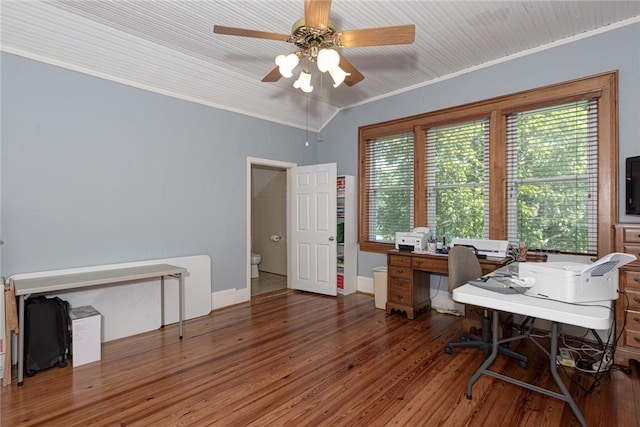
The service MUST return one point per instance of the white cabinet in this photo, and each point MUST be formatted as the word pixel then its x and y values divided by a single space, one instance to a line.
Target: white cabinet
pixel 347 252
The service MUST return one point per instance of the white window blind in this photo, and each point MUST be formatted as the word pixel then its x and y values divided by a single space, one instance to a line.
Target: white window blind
pixel 389 186
pixel 552 177
pixel 457 180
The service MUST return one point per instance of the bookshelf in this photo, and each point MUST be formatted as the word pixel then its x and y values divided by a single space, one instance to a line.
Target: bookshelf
pixel 347 253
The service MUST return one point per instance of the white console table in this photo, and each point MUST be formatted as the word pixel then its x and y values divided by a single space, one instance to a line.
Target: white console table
pixel 26 287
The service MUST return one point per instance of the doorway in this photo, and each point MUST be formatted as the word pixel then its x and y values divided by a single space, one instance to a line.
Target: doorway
pixel 267 225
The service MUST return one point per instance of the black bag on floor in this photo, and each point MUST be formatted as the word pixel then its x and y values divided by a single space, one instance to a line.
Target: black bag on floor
pixel 47 334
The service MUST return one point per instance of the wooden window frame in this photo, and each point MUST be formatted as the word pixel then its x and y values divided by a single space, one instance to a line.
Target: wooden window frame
pixel 603 86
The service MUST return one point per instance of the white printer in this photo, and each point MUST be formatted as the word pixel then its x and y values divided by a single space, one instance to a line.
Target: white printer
pixel 415 240
pixel 575 282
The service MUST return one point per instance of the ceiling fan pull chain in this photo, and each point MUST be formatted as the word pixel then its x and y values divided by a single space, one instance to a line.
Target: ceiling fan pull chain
pixel 306 142
pixel 319 139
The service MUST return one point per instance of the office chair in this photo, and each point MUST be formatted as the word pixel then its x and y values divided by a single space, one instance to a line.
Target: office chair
pixel 463 267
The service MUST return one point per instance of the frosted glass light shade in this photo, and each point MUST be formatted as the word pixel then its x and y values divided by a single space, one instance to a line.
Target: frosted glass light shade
pixel 327 59
pixel 338 75
pixel 286 64
pixel 304 82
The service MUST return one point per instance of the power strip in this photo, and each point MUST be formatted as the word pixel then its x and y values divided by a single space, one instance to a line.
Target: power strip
pixel 603 364
pixel 565 358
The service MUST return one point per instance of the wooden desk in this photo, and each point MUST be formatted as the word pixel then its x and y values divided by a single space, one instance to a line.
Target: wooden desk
pixel 408 279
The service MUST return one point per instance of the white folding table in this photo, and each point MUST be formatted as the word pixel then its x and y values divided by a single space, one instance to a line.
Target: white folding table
pixel 54 283
pixel 597 316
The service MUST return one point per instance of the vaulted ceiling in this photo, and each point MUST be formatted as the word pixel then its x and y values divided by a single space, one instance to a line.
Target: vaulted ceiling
pixel 169 46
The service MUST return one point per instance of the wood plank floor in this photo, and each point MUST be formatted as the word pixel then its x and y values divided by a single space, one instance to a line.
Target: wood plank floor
pixel 301 359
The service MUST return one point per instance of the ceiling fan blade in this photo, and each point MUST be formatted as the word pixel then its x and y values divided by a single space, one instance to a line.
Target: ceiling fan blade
pixel 273 76
pixel 355 77
pixel 232 31
pixel 316 13
pixel 401 34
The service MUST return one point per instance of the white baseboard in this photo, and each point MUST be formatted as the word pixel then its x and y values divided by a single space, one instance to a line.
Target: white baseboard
pixel 229 297
pixel 365 285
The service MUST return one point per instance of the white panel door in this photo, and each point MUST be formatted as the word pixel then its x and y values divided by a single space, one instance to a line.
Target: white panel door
pixel 312 228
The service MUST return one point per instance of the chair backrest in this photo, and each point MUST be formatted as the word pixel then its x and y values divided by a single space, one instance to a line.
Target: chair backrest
pixel 463 266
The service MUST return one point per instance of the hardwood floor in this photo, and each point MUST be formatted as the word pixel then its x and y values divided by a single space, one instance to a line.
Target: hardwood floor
pixel 294 358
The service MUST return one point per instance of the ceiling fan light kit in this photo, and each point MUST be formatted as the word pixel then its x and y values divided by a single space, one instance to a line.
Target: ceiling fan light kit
pixel 316 37
pixel 326 60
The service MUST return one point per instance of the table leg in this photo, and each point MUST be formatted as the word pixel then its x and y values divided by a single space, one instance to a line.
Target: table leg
pixel 565 396
pixel 554 372
pixel 489 360
pixel 162 282
pixel 181 300
pixel 21 332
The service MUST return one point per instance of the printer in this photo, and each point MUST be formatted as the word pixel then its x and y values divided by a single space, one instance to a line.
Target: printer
pixel 575 282
pixel 415 240
pixel 484 247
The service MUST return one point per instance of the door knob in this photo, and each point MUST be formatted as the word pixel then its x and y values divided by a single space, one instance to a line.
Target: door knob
pixel 331 238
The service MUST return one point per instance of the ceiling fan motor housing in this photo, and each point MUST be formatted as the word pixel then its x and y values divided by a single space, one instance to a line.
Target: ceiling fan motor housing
pixel 313 39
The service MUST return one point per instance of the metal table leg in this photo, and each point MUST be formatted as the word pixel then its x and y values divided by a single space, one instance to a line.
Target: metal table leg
pixel 21 332
pixel 162 302
pixel 554 371
pixel 180 278
pixel 489 360
pixel 565 396
pixel 181 300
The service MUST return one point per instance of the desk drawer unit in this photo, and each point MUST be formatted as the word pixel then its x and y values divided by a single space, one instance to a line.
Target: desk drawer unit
pixel 400 284
pixel 628 315
pixel 406 292
pixel 631 333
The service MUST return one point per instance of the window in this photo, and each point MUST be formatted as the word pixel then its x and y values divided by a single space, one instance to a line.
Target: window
pixel 389 186
pixel 552 177
pixel 539 166
pixel 457 179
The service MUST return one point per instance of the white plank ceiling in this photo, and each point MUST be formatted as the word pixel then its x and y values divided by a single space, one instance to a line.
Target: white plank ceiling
pixel 169 46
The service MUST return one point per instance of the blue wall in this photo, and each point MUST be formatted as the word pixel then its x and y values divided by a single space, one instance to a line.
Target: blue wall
pixel 614 50
pixel 96 172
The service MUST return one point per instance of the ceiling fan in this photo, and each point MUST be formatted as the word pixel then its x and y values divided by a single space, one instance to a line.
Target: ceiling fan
pixel 316 37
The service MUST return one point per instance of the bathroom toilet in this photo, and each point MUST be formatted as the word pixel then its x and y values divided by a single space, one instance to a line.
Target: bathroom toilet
pixel 255 260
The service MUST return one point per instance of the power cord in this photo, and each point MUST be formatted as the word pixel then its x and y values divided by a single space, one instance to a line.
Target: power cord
pixel 437 288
